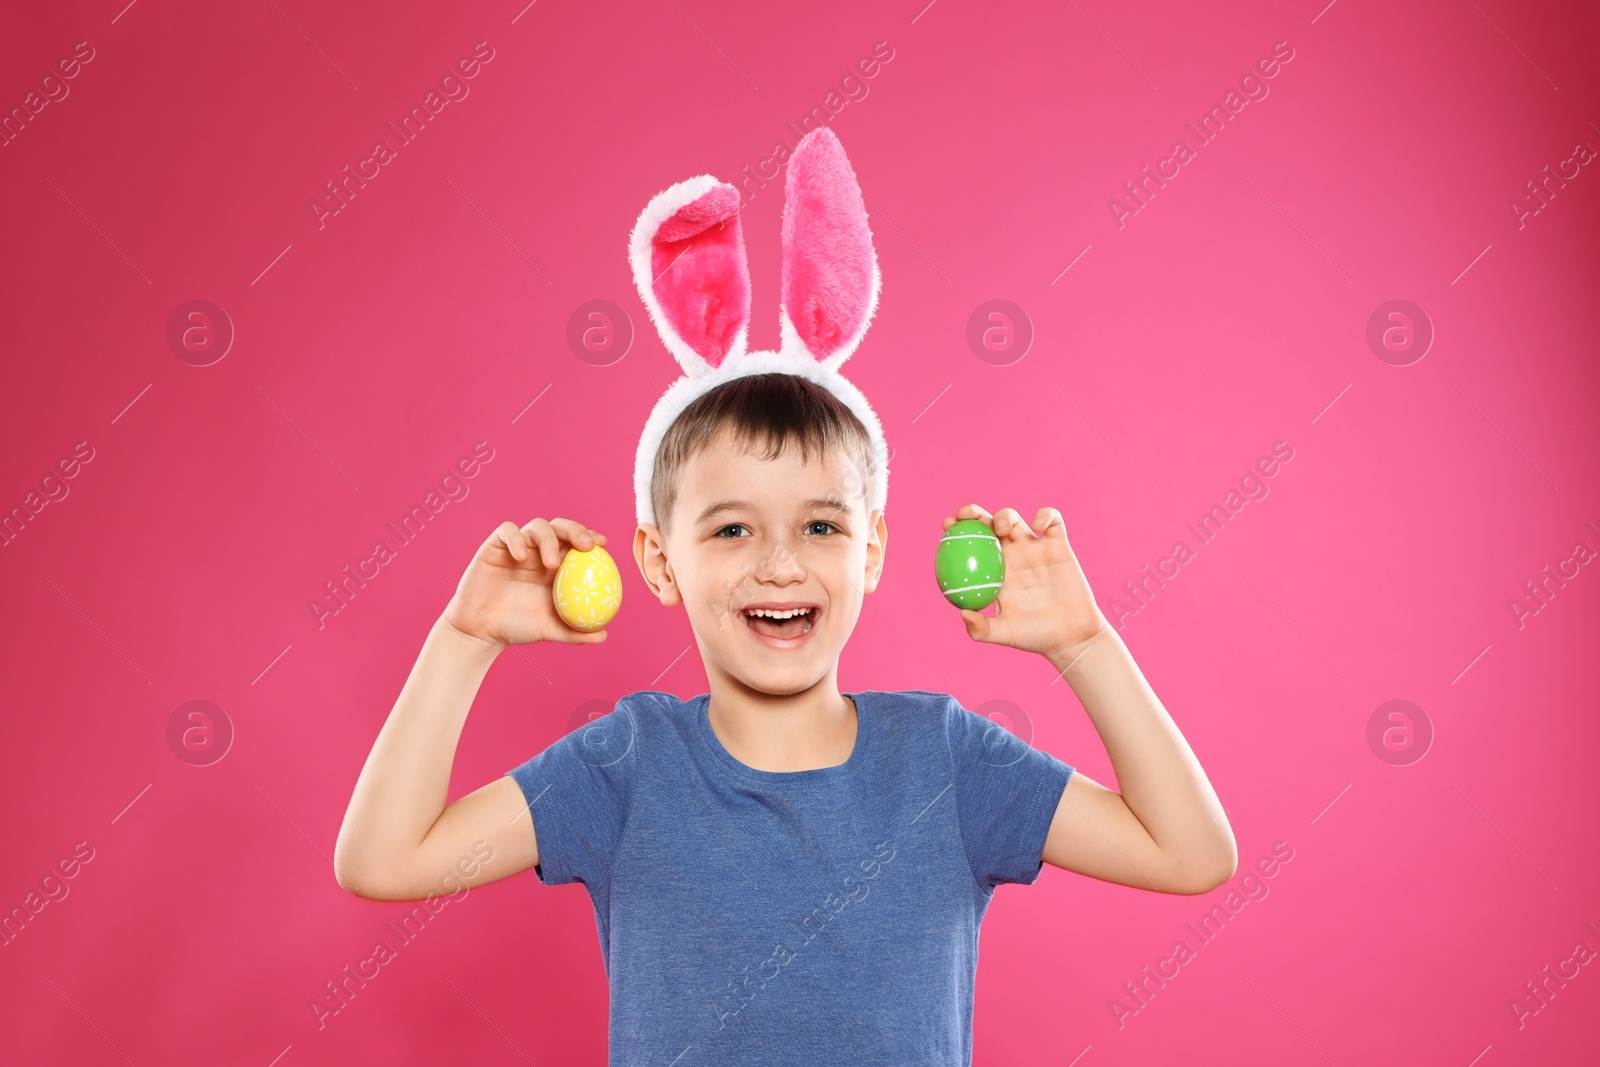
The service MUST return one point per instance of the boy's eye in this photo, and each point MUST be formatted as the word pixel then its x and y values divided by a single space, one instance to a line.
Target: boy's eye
pixel 811 529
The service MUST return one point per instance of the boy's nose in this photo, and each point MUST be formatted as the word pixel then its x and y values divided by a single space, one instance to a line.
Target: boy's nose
pixel 781 561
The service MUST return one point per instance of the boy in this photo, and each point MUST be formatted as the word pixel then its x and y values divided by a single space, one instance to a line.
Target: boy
pixel 781 872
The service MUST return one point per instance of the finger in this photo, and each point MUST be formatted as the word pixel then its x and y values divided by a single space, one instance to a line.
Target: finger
pixel 549 544
pixel 599 538
pixel 978 625
pixel 576 533
pixel 973 511
pixel 1049 519
pixel 1008 524
pixel 567 635
pixel 510 535
pixel 528 536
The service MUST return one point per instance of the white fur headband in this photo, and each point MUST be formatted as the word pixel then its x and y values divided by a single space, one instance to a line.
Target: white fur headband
pixel 689 265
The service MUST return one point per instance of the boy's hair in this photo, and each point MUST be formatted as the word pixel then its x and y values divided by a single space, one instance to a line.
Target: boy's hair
pixel 765 413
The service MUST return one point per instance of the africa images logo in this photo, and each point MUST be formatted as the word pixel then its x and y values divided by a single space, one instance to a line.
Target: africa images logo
pixel 1253 87
pixel 453 85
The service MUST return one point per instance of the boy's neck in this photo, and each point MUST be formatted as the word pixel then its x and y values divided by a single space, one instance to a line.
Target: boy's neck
pixel 801 731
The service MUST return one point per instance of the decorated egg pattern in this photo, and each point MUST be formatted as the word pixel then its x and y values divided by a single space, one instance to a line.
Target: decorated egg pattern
pixel 969 565
pixel 588 589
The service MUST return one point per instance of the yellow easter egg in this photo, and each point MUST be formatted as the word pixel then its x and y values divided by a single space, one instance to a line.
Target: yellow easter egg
pixel 588 589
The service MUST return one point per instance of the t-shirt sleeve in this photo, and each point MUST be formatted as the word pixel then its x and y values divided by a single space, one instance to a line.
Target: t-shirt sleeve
pixel 1006 795
pixel 578 790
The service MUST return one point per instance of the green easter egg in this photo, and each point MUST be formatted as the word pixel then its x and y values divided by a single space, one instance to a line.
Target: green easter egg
pixel 969 565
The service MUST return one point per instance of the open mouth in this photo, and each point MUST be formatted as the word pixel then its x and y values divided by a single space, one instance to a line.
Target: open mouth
pixel 780 624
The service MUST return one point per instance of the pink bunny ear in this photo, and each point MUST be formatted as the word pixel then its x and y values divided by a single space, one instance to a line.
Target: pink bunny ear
pixel 830 274
pixel 689 265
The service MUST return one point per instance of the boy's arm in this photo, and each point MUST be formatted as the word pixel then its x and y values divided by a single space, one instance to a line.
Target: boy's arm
pixel 399 840
pixel 1166 831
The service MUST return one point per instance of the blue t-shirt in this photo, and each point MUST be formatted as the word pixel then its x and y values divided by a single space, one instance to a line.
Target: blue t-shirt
pixel 813 917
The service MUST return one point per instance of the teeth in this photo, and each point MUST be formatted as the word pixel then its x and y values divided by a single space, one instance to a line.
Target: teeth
pixel 773 613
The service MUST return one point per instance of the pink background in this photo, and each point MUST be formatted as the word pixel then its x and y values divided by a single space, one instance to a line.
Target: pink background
pixel 372 353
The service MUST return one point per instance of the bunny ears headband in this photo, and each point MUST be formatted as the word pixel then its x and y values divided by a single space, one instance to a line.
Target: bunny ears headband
pixel 688 259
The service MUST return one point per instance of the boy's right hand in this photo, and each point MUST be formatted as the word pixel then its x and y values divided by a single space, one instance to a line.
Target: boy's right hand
pixel 504 598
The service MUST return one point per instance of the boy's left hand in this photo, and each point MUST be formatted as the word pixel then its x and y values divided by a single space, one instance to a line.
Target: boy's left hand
pixel 1044 605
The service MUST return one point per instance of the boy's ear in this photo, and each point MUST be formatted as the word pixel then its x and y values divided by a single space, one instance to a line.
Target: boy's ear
pixel 650 553
pixel 877 545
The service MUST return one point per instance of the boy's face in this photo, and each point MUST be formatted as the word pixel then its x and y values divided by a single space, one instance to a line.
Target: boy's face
pixel 748 533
